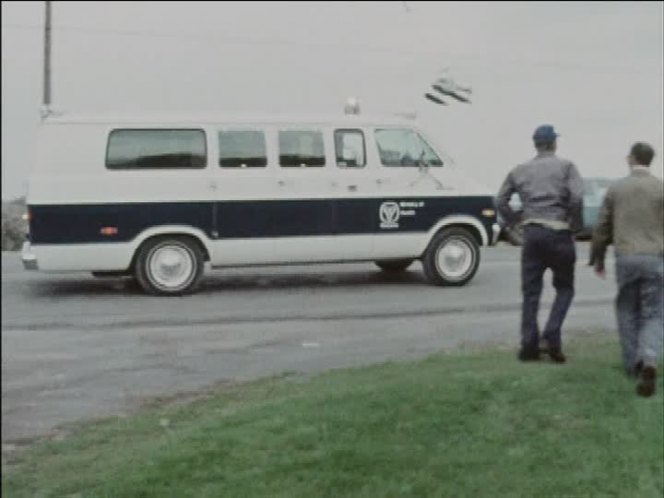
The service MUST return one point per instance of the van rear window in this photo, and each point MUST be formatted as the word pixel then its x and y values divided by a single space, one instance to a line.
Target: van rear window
pixel 156 149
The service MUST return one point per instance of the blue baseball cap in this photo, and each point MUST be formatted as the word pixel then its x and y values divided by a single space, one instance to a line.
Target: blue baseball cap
pixel 545 134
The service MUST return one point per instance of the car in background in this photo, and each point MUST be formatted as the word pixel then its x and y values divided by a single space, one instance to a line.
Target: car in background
pixel 594 190
pixel 512 234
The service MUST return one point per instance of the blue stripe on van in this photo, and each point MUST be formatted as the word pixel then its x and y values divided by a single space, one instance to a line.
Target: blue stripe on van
pixel 81 223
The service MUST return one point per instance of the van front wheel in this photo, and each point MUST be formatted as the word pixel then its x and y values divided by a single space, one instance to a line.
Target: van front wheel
pixel 169 266
pixel 452 258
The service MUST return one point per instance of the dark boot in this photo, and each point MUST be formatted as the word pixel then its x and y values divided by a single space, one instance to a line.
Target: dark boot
pixel 646 386
pixel 636 370
pixel 529 354
pixel 556 355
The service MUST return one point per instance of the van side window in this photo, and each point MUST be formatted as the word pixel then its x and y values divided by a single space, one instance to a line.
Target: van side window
pixel 242 149
pixel 156 149
pixel 350 148
pixel 301 148
pixel 403 147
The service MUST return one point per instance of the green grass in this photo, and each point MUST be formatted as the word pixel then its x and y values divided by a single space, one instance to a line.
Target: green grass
pixel 468 424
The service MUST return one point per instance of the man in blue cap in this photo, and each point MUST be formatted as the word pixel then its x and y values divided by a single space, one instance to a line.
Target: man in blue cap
pixel 551 192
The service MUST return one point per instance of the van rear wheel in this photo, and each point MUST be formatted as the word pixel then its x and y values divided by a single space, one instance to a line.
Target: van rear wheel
pixel 452 258
pixel 169 266
pixel 394 265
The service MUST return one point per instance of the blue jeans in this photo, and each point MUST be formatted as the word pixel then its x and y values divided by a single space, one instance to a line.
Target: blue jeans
pixel 544 248
pixel 639 308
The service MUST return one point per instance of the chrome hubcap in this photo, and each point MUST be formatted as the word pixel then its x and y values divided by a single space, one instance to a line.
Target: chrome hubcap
pixel 455 259
pixel 171 267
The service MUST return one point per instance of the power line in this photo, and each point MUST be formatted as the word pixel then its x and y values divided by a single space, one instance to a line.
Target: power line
pixel 366 48
pixel 47 56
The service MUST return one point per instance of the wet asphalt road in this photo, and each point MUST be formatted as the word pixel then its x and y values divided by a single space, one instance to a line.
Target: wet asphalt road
pixel 76 347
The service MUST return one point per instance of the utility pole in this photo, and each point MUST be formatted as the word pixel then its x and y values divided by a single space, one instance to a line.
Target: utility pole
pixel 47 59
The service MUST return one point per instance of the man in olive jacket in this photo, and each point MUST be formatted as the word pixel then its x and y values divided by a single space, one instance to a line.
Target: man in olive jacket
pixel 632 218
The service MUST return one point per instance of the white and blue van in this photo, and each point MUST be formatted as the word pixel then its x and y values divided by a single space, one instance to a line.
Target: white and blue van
pixel 161 198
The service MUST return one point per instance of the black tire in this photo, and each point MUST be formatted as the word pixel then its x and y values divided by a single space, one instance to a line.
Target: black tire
pixel 394 265
pixel 188 253
pixel 451 238
pixel 131 284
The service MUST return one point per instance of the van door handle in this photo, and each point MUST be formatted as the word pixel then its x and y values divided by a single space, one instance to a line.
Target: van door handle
pixel 352 188
pixel 213 185
pixel 281 183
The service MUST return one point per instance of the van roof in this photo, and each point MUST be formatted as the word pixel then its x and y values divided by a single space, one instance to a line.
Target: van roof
pixel 156 119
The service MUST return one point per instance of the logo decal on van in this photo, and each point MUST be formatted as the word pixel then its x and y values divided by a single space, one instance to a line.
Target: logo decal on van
pixel 389 213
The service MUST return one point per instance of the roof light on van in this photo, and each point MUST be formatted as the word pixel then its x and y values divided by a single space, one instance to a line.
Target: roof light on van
pixel 352 106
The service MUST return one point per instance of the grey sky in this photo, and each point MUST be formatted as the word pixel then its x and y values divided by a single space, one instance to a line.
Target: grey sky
pixel 592 69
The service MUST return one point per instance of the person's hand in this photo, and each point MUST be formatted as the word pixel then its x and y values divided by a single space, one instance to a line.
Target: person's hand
pixel 600 271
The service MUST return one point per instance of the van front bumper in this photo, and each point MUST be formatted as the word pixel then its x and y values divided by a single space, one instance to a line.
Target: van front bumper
pixel 28 257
